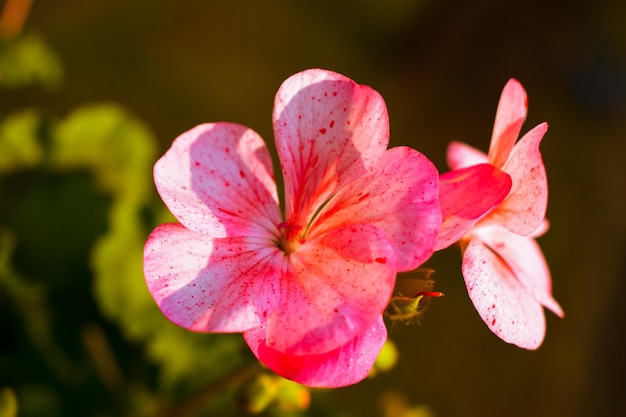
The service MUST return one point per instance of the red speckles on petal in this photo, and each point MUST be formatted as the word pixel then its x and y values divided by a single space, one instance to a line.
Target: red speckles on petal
pixel 317 310
pixel 400 197
pixel 503 297
pixel 335 271
pixel 202 167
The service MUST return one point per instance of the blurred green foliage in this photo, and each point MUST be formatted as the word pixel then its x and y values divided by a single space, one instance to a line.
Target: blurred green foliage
pixel 26 60
pixel 83 335
pixel 19 148
pixel 266 392
pixel 8 403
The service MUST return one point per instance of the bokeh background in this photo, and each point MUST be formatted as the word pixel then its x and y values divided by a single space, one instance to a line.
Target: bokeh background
pixel 101 89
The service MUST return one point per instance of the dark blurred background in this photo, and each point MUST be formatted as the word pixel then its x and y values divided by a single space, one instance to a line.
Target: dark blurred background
pixel 440 65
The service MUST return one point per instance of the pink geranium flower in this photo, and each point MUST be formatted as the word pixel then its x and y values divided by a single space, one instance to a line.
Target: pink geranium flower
pixel 496 205
pixel 307 290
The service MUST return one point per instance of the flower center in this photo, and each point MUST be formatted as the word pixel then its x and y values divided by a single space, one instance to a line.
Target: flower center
pixel 291 239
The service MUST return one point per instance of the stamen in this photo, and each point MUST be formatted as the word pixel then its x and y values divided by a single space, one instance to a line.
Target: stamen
pixel 429 294
pixel 291 239
pixel 291 230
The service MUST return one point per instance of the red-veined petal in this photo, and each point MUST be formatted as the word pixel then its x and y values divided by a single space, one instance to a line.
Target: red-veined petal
pixel 212 285
pixel 217 179
pixel 501 300
pixel 338 284
pixel 400 197
pixel 346 365
pixel 524 257
pixel 329 130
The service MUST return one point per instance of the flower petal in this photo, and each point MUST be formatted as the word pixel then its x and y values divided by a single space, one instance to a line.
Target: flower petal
pixel 329 131
pixel 500 299
pixel 525 259
pixel 510 116
pixel 400 197
pixel 466 195
pixel 461 155
pixel 339 283
pixel 217 179
pixel 524 210
pixel 343 366
pixel 211 285
pixel 541 230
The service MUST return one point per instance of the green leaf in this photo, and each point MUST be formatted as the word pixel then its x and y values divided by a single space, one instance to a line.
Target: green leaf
pixel 26 60
pixel 190 360
pixel 19 146
pixel 118 148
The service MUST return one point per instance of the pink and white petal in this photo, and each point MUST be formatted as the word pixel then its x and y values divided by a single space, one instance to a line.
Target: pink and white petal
pixel 524 210
pixel 400 197
pixel 461 155
pixel 329 131
pixel 217 179
pixel 211 285
pixel 504 304
pixel 466 195
pixel 510 116
pixel 542 229
pixel 339 283
pixel 524 258
pixel 346 365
